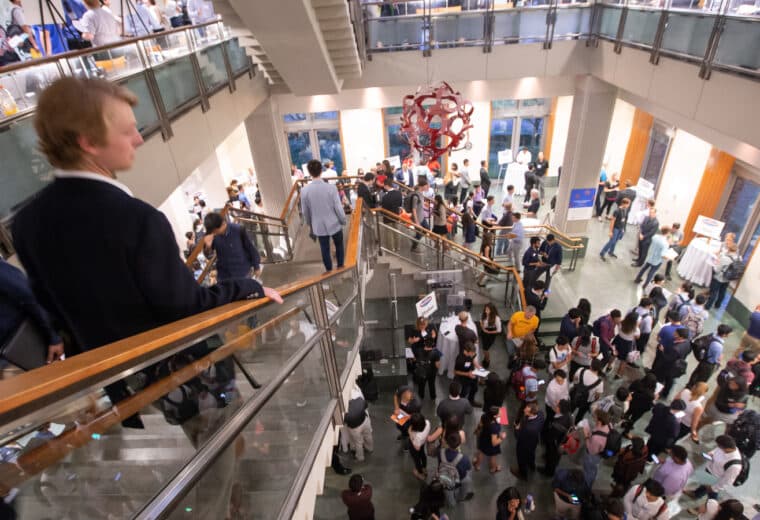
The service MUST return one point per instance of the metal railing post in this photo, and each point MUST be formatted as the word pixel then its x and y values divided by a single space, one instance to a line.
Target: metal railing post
pixel 551 19
pixel 618 48
pixel 654 57
pixel 228 66
pixel 322 321
pixel 595 18
pixel 705 68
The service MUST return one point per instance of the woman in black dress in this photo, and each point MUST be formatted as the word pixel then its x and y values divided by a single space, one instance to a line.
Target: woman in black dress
pixel 489 436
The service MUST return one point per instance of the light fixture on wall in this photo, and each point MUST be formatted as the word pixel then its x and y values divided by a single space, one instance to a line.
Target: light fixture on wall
pixel 434 112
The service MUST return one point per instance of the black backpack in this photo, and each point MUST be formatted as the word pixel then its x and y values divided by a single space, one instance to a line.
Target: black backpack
pixel 409 202
pixel 746 432
pixel 743 475
pixel 580 392
pixel 613 444
pixel 368 385
pixel 734 270
pixel 700 346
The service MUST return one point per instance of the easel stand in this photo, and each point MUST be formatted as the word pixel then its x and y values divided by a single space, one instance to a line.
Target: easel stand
pixel 132 13
pixel 53 12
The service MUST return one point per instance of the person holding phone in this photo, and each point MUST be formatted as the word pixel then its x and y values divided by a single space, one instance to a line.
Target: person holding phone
pixel 724 463
pixel 674 472
pixel 665 425
pixel 570 490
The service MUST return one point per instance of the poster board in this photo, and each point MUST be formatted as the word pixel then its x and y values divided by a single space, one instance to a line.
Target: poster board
pixel 427 306
pixel 395 161
pixel 505 156
pixel 581 204
pixel 708 227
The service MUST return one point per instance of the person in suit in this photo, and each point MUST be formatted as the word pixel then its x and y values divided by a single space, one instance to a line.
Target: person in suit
pixel 536 296
pixel 324 214
pixel 485 180
pixel 103 285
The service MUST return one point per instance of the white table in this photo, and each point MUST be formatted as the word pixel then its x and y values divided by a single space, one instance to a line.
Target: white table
pixel 515 176
pixel 697 261
pixel 448 344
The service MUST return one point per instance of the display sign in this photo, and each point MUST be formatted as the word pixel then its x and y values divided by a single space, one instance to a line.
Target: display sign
pixel 505 156
pixel 427 306
pixel 708 227
pixel 395 161
pixel 581 205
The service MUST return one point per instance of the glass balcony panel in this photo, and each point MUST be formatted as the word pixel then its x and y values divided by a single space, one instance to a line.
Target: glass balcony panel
pixel 572 22
pixel 739 44
pixel 176 82
pixel 345 331
pixel 254 474
pixel 213 68
pixel 111 64
pixel 458 29
pixel 609 22
pixel 395 33
pixel 506 26
pixel 239 60
pixel 207 35
pixel 687 34
pixel 338 290
pixel 145 111
pixel 167 47
pixel 641 26
pixel 532 25
pixel 25 170
pixel 26 84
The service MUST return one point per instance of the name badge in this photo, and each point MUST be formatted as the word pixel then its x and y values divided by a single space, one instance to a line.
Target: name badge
pixel 467 364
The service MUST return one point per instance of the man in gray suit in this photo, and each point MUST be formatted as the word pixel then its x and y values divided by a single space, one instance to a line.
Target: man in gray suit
pixel 324 214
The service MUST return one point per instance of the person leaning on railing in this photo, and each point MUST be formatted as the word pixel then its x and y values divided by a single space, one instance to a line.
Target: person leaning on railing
pixel 103 262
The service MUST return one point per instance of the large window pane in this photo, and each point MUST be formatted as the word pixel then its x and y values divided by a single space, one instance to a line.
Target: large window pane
pixel 329 148
pixel 294 118
pixel 503 104
pixel 532 134
pixel 740 206
pixel 392 111
pixel 300 148
pixel 397 145
pixel 501 139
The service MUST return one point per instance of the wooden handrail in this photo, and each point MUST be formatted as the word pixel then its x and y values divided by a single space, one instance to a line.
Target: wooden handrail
pixel 42 384
pixel 83 52
pixel 453 245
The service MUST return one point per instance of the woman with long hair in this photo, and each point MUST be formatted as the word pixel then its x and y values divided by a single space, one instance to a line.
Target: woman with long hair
pixel 469 229
pixel 486 251
pixel 509 505
pixel 624 341
pixel 490 328
pixel 450 181
pixel 694 398
pixel 489 437
pixel 439 217
pixel 730 509
pixel 629 465
pixel 585 348
pixel 643 394
pixel 495 391
pixel 584 306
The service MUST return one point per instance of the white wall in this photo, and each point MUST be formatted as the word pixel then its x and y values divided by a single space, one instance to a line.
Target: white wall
pixel 680 179
pixel 479 136
pixel 620 133
pixel 363 140
pixel 748 291
pixel 559 137
pixel 234 155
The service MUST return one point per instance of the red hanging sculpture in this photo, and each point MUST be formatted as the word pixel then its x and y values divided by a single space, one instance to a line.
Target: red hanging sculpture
pixel 436 120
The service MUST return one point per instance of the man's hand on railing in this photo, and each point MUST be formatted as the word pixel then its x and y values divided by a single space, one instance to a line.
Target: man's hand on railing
pixel 272 295
pixel 55 352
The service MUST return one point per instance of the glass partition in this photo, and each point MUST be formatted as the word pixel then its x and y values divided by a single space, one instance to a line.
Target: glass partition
pixel 641 26
pixel 239 60
pixel 506 28
pixel 177 84
pixel 145 110
pixel 572 22
pixel 112 64
pixel 687 34
pixel 609 21
pixel 213 67
pixel 739 43
pixel 533 25
pixel 395 33
pixel 26 84
pixel 458 29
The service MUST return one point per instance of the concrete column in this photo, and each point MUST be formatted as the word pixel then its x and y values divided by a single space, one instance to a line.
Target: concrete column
pixel 270 155
pixel 593 105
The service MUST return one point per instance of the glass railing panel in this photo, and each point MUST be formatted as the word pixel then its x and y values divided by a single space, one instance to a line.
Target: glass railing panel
pixel 687 34
pixel 572 22
pixel 145 111
pixel 253 475
pixel 207 35
pixel 641 26
pixel 25 85
pixel 213 68
pixel 345 332
pixel 338 290
pixel 457 29
pixel 395 33
pixel 167 47
pixel 506 26
pixel 532 25
pixel 239 60
pixel 176 82
pixel 112 64
pixel 25 170
pixel 738 45
pixel 609 21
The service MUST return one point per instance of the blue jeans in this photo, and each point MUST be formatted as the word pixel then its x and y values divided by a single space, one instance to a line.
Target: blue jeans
pixel 609 247
pixel 324 246
pixel 652 268
pixel 717 294
pixel 501 246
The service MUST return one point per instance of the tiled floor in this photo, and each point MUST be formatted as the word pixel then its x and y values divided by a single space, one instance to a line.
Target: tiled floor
pixel 389 469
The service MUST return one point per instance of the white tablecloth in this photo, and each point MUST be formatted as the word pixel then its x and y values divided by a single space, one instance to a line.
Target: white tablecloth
pixel 697 261
pixel 448 344
pixel 515 176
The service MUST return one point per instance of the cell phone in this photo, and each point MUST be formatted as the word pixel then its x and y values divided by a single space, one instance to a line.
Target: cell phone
pixel 548 291
pixel 707 456
pixel 447 333
pixel 401 415
pixel 574 499
pixel 655 459
pixel 541 382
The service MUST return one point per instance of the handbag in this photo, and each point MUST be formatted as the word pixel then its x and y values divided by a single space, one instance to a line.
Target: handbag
pixel 433 448
pixel 26 348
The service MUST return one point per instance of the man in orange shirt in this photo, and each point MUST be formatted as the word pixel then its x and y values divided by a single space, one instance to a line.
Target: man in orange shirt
pixel 521 324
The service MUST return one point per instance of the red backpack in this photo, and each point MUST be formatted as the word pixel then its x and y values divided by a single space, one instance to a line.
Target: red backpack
pixel 518 382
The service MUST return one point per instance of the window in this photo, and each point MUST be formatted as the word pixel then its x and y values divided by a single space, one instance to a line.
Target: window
pixel 397 145
pixel 516 124
pixel 501 139
pixel 740 209
pixel 314 136
pixel 531 134
pixel 657 152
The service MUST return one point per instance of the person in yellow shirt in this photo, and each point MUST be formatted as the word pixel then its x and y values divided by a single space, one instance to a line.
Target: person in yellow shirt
pixel 521 324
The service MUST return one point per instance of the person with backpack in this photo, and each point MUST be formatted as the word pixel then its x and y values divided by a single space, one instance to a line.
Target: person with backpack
pixel 554 435
pixel 726 464
pixel 682 297
pixel 432 500
pixel 694 397
pixel 414 204
pixel 455 471
pixel 358 425
pixel 489 438
pixel 599 444
pixel 693 316
pixel 604 329
pixel 588 386
pixel 236 256
pixel 728 401
pixel 615 405
pixel 645 312
pixel 741 365
pixel 628 466
pixel 746 432
pixel 585 348
pixel 646 502
pixel 671 363
pixel 528 432
pixel 724 271
pixel 557 390
pixel 560 355
pixel 708 350
pixel 674 473
pixel 655 292
pixel 664 426
pixel 427 358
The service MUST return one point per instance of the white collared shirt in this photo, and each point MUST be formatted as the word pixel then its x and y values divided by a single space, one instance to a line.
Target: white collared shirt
pixel 92 176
